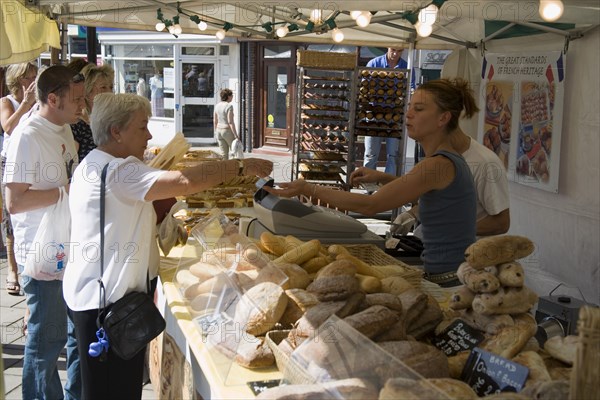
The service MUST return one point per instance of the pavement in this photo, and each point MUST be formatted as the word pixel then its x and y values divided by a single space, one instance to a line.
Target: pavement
pixel 12 308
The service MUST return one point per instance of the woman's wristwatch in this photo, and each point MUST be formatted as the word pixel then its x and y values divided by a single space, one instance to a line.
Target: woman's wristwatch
pixel 240 166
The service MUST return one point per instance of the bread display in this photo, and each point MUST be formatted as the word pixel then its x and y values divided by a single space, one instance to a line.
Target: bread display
pixel 381 303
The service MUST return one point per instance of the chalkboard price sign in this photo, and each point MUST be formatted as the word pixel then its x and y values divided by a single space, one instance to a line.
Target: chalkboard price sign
pixel 258 387
pixel 457 337
pixel 488 373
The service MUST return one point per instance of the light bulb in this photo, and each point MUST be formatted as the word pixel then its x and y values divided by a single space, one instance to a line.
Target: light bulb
pixel 220 34
pixel 364 19
pixel 315 15
pixel 282 31
pixel 171 29
pixel 177 29
pixel 160 26
pixel 423 30
pixel 337 35
pixel 551 10
pixel 202 25
pixel 428 15
pixel 355 14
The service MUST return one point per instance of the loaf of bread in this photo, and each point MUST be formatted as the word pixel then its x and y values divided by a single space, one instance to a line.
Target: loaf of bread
pixel 304 299
pixel 496 250
pixel 510 340
pixel 395 332
pixel 408 389
pixel 426 320
pixel 487 323
pixel 453 388
pixel 251 352
pixel 425 359
pixel 337 268
pixel 297 277
pixel 563 348
pixel 372 321
pixel 315 316
pixel 334 287
pixel 413 302
pixel 456 364
pixel 535 363
pixel 395 285
pixel 547 390
pixel 384 299
pixel 260 308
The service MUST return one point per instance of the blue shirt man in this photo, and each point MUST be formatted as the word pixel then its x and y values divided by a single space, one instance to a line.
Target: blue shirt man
pixel 391 59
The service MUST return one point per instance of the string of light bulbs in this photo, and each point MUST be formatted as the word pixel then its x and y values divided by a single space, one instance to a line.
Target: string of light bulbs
pixel 422 19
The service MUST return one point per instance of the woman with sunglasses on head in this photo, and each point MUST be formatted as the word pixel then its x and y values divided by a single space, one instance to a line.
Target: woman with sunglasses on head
pixel 98 79
pixel 442 182
pixel 20 80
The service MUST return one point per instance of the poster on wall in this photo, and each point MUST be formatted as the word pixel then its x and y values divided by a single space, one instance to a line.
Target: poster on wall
pixel 522 120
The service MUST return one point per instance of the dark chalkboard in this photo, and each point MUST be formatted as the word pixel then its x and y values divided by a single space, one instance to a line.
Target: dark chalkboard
pixel 457 337
pixel 258 387
pixel 488 373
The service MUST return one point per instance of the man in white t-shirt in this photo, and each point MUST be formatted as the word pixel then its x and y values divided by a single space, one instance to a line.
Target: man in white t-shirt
pixel 39 162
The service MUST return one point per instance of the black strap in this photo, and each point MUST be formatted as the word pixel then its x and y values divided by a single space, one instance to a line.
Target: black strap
pixel 102 294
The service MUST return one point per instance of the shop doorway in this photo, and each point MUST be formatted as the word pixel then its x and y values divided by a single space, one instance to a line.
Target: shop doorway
pixel 277 96
pixel 198 100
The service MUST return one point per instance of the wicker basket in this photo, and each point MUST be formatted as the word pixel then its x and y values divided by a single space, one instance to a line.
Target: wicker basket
pixel 585 376
pixel 326 60
pixel 290 369
pixel 373 255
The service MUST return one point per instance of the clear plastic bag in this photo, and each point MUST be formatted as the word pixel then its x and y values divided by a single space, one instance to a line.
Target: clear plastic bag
pixel 236 150
pixel 49 252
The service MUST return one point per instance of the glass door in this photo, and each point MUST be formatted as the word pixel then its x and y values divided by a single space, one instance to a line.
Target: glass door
pixel 279 86
pixel 199 99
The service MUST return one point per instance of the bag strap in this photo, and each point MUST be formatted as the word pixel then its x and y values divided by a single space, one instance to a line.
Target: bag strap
pixel 102 292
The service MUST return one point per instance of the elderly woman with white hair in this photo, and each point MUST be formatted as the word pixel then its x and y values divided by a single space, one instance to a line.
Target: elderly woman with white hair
pixel 120 127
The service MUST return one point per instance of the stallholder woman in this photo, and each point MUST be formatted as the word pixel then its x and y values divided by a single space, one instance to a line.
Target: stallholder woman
pixel 441 182
pixel 120 127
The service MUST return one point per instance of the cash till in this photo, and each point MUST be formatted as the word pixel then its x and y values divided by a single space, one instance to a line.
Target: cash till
pixel 283 216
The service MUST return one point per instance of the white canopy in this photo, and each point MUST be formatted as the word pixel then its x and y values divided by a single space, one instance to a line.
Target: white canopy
pixel 459 22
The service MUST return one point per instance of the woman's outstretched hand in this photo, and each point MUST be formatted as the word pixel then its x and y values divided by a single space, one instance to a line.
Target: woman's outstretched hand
pixel 258 167
pixel 290 189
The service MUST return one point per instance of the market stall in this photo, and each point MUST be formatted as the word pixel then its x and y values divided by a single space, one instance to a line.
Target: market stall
pixel 430 340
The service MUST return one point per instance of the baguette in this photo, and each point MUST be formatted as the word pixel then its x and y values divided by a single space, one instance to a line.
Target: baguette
pixel 315 264
pixel 301 254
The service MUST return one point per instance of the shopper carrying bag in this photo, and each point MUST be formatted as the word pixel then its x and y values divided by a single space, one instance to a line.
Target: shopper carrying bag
pixel 47 259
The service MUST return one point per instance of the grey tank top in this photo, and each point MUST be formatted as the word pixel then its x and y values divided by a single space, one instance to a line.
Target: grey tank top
pixel 448 219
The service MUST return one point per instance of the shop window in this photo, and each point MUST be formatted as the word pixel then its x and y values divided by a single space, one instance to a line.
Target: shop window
pixel 198 79
pixel 224 50
pixel 197 51
pixel 151 78
pixel 277 52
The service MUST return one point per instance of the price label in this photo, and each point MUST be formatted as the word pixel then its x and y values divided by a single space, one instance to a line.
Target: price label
pixel 258 387
pixel 457 337
pixel 488 373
